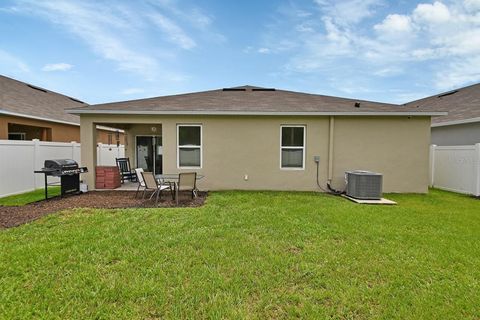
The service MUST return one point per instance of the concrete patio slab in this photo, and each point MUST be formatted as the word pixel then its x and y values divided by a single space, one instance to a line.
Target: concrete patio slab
pixel 364 201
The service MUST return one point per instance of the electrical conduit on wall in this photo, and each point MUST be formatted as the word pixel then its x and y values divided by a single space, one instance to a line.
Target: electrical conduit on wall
pixel 330 150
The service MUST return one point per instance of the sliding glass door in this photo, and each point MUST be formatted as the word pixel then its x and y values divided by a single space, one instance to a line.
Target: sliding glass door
pixel 149 153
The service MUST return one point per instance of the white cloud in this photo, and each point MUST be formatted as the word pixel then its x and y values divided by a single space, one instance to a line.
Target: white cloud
pixel 389 71
pixel 394 23
pixel 442 39
pixel 11 63
pixel 136 37
pixel 458 72
pixel 247 49
pixel 431 13
pixel 62 66
pixel 348 12
pixel 340 39
pixel 190 18
pixel 263 50
pixel 472 5
pixel 194 16
pixel 173 32
pixel 102 28
pixel 304 27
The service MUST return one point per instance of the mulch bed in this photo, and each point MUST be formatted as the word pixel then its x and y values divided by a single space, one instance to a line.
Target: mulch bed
pixel 15 216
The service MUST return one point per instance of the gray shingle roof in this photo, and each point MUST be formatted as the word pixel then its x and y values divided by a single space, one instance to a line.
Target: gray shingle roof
pixel 461 104
pixel 22 98
pixel 245 99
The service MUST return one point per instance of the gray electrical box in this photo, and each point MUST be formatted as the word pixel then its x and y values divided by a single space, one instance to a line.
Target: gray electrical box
pixel 364 184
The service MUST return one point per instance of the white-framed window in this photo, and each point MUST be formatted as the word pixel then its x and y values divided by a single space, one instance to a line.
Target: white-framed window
pixel 17 136
pixel 189 146
pixel 292 147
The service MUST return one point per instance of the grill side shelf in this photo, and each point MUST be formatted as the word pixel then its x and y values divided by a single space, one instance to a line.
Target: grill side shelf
pixel 65 183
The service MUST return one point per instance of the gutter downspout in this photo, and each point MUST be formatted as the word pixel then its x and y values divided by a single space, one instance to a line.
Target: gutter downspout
pixel 330 150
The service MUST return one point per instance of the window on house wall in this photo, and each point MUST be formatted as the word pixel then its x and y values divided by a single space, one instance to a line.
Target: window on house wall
pixel 19 131
pixel 17 136
pixel 292 147
pixel 189 146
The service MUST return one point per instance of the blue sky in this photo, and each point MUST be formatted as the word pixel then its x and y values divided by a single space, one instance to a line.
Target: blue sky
pixel 101 51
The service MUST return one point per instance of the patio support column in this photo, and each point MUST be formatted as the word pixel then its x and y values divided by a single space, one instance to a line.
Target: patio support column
pixel 169 142
pixel 88 140
pixel 3 129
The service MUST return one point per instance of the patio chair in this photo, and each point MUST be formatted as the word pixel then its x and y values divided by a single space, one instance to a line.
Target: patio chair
pixel 141 182
pixel 126 172
pixel 152 184
pixel 186 182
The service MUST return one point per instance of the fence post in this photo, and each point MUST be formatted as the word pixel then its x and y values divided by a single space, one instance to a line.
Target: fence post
pixel 36 151
pixel 73 143
pixel 476 170
pixel 99 154
pixel 432 165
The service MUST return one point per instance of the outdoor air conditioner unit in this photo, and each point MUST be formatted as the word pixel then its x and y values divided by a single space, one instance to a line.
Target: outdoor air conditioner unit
pixel 364 184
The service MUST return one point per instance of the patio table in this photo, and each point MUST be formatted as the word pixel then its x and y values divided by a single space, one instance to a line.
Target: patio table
pixel 173 177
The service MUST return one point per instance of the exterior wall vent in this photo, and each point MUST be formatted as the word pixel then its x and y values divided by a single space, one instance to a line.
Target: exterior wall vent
pixel 234 89
pixel 263 89
pixel 76 100
pixel 447 94
pixel 364 184
pixel 37 88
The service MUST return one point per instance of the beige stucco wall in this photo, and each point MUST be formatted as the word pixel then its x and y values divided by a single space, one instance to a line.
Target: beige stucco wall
pixel 396 147
pixel 237 146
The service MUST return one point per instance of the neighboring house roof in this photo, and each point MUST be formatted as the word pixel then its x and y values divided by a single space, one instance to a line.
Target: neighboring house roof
pixel 249 100
pixel 462 105
pixel 25 100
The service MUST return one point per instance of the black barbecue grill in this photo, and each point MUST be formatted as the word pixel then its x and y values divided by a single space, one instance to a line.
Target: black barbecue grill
pixel 69 173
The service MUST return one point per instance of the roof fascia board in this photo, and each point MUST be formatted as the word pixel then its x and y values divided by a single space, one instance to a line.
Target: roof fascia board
pixel 259 113
pixel 109 129
pixel 15 114
pixel 454 122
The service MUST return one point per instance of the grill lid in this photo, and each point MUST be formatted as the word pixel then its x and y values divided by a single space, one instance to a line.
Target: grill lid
pixel 60 163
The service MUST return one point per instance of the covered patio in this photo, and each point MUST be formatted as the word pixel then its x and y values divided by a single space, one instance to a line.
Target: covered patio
pixel 143 146
pixel 150 144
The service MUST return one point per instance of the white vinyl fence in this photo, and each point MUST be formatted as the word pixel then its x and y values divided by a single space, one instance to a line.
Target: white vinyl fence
pixel 106 154
pixel 456 168
pixel 18 160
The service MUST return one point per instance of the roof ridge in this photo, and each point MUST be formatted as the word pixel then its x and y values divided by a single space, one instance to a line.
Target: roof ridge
pixel 27 100
pixel 444 93
pixel 243 87
pixel 34 87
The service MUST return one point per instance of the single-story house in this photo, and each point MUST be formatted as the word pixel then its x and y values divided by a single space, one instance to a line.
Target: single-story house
pixel 254 138
pixel 461 126
pixel 29 112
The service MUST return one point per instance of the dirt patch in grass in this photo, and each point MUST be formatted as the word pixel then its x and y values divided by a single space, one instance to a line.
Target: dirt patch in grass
pixel 15 216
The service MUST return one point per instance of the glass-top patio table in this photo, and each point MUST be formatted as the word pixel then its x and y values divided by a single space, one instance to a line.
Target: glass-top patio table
pixel 173 176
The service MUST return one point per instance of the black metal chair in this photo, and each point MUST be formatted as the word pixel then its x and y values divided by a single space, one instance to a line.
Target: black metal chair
pixel 126 172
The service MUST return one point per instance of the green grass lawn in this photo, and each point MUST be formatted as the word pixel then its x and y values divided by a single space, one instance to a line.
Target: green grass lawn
pixel 249 255
pixel 29 197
